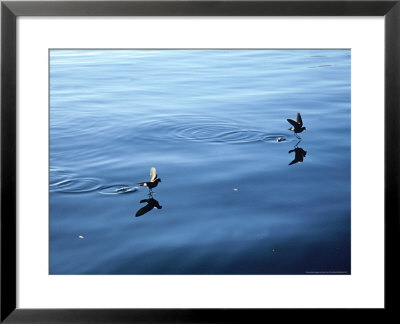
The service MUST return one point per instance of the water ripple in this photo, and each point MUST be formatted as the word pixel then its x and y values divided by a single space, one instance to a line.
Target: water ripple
pixel 57 175
pixel 77 185
pixel 205 129
pixel 64 182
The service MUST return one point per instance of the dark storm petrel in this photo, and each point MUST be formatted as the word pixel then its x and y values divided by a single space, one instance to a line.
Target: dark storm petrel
pixel 297 125
pixel 153 180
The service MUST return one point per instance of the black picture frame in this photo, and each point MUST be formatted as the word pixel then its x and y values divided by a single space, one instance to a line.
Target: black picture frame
pixel 10 10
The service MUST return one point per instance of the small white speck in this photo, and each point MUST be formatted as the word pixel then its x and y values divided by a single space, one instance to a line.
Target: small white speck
pixel 235 189
pixel 279 139
pixel 80 236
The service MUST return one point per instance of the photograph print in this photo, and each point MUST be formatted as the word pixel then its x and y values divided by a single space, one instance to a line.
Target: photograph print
pixel 199 161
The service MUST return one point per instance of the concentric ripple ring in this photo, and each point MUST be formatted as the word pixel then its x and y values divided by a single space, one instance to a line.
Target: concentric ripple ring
pixel 204 129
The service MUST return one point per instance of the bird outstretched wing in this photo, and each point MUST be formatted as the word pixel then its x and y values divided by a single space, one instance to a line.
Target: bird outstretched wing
pixel 153 174
pixel 294 124
pixel 299 120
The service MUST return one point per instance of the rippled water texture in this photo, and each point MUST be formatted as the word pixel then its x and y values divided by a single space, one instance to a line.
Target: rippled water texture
pixel 239 193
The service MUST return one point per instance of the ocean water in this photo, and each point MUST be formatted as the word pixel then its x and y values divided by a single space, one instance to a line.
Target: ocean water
pixel 214 125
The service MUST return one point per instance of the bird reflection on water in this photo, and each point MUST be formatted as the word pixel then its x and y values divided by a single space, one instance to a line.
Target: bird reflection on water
pixel 151 204
pixel 300 154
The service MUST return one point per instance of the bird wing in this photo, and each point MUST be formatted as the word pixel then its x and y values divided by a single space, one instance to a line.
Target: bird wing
pixel 294 124
pixel 299 120
pixel 153 174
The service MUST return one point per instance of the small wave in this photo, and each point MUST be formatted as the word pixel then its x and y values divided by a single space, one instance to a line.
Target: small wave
pixel 320 66
pixel 77 185
pixel 117 190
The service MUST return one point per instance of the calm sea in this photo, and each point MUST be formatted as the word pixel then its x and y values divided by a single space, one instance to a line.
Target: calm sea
pixel 213 124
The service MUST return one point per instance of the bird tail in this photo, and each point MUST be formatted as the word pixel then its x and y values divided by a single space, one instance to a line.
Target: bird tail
pixel 142 184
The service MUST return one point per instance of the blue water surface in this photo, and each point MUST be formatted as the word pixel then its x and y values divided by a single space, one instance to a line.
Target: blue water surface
pixel 213 124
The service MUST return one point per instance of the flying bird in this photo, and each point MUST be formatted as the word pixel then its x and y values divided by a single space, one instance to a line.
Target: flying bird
pixel 154 180
pixel 297 125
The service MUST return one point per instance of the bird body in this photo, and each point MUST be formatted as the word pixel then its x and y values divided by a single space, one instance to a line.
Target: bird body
pixel 154 180
pixel 150 184
pixel 297 125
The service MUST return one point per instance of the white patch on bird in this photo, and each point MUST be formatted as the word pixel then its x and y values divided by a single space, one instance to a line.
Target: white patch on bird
pixel 80 236
pixel 145 184
pixel 279 139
